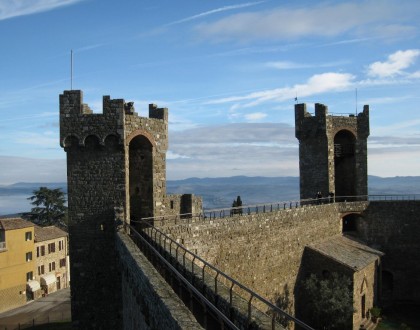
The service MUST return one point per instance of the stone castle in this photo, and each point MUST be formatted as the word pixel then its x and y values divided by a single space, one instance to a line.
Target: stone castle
pixel 117 159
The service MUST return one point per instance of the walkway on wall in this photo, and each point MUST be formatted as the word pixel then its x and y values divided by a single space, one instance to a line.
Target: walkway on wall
pixel 217 300
pixel 344 203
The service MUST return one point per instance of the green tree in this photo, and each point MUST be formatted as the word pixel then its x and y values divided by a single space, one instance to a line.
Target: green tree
pixel 329 302
pixel 49 207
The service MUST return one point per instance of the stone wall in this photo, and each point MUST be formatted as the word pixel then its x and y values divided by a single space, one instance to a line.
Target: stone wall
pixel 317 162
pixel 114 159
pixel 393 227
pixel 263 251
pixel 149 302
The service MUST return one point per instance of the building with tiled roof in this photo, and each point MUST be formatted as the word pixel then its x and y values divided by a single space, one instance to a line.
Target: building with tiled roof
pixel 52 258
pixel 347 256
pixel 17 262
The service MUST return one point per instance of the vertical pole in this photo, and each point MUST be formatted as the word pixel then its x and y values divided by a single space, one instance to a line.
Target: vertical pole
pixel 356 101
pixel 71 70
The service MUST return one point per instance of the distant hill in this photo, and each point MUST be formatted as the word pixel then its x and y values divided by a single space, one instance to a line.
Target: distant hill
pixel 219 192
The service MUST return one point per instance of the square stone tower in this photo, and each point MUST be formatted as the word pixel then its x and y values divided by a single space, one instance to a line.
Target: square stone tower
pixel 332 152
pixel 114 159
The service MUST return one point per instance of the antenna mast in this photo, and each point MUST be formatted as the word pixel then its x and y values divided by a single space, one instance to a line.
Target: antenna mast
pixel 356 101
pixel 71 70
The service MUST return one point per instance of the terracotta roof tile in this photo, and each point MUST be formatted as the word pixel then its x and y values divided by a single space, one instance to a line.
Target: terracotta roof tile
pixel 14 223
pixel 48 233
pixel 347 251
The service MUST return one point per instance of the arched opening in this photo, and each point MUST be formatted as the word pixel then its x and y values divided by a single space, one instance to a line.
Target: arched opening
pixel 70 142
pixel 349 223
pixel 111 142
pixel 141 178
pixel 387 286
pixel 344 163
pixel 91 142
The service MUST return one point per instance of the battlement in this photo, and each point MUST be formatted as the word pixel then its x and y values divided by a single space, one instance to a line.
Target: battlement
pixel 118 119
pixel 307 123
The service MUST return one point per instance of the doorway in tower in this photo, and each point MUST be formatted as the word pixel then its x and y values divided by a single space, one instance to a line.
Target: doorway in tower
pixel 344 165
pixel 140 178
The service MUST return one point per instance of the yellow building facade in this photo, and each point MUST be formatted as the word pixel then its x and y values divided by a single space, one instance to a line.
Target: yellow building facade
pixel 17 262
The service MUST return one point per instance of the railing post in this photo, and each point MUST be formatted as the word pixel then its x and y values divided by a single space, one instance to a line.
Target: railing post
pixel 231 295
pixel 215 283
pixel 249 310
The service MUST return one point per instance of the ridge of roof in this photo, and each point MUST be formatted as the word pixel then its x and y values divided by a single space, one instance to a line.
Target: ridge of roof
pixel 14 223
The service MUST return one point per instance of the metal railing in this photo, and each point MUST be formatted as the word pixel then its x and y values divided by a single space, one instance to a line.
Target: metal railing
pixel 224 321
pixel 227 212
pixel 192 261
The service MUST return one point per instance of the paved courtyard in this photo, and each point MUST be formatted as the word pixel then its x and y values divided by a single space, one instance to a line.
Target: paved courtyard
pixel 53 308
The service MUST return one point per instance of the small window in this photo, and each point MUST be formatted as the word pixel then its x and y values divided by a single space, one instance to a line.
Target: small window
pixel 28 256
pixel 172 204
pixel 63 262
pixel 41 270
pixel 51 248
pixel 28 236
pixel 51 266
pixel 37 251
pixel 29 276
pixel 2 240
pixel 43 250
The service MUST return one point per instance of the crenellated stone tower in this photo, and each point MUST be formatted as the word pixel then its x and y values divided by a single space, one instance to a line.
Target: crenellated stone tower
pixel 332 152
pixel 114 159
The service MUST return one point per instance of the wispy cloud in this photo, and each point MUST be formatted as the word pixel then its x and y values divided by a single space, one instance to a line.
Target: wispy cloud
pixel 13 8
pixel 394 65
pixel 317 84
pixel 215 11
pixel 328 19
pixel 37 115
pixel 288 65
pixel 255 116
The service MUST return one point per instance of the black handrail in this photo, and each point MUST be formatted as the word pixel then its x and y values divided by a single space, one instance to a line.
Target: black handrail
pixel 274 206
pixel 190 287
pixel 274 310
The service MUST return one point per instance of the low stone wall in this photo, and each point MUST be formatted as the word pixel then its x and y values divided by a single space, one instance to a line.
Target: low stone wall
pixel 148 301
pixel 393 227
pixel 263 251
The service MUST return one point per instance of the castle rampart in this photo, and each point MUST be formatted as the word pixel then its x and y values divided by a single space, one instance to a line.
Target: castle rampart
pixel 264 250
pixel 114 159
pixel 332 151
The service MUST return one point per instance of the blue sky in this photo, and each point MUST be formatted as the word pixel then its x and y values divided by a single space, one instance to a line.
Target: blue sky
pixel 227 70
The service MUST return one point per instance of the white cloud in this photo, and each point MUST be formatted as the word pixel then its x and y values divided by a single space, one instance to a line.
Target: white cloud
pixel 287 65
pixel 215 11
pixel 394 65
pixel 255 116
pixel 328 20
pixel 14 8
pixel 172 155
pixel 317 84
